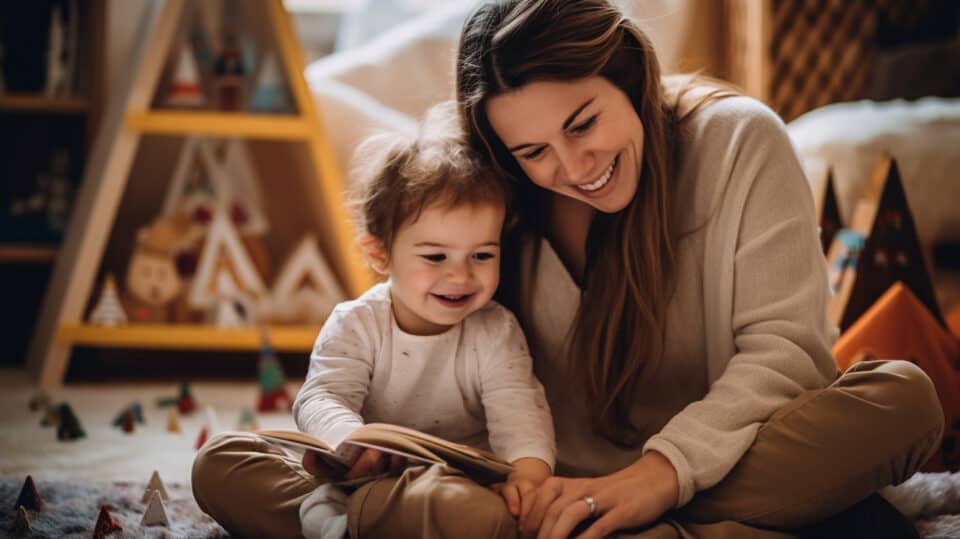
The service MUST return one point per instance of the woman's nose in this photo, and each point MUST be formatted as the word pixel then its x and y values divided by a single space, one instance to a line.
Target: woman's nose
pixel 575 164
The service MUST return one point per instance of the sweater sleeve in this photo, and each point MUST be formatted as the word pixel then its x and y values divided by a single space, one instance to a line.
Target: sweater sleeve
pixel 338 379
pixel 518 416
pixel 781 335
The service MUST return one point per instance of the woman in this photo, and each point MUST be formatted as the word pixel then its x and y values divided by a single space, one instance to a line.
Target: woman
pixel 671 263
pixel 671 284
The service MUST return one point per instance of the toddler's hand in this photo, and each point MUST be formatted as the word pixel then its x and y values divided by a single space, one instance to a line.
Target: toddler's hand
pixel 374 462
pixel 527 475
pixel 316 464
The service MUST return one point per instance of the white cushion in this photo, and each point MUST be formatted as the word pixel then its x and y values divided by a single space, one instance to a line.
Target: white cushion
pixel 923 136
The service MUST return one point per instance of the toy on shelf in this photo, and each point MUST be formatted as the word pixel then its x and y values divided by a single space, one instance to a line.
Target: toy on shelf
pixel 106 524
pixel 232 309
pixel 29 497
pixel 152 279
pixel 273 391
pixel 69 427
pixel 155 513
pixel 21 526
pixel 224 253
pixel 248 420
pixel 228 75
pixel 271 94
pixel 305 290
pixel 155 484
pixel 245 197
pixel 108 311
pixel 879 249
pixel 185 91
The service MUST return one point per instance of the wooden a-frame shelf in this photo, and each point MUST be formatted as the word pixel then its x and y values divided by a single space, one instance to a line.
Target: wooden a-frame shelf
pixel 222 124
pixel 187 336
pixel 61 323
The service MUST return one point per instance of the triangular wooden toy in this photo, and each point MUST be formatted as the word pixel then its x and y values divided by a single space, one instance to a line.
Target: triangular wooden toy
pixel 106 524
pixel 39 401
pixel 246 204
pixel 890 251
pixel 51 417
pixel 108 310
pixel 185 91
pixel 224 252
pixel 128 421
pixel 155 513
pixel 213 422
pixel 306 289
pixel 173 421
pixel 898 325
pixel 232 309
pixel 202 438
pixel 21 523
pixel 828 211
pixel 154 485
pixel 29 497
pixel 198 187
pixel 134 409
pixel 297 141
pixel 69 427
pixel 271 93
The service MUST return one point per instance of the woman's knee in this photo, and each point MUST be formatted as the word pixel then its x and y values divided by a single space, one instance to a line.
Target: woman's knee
pixel 914 400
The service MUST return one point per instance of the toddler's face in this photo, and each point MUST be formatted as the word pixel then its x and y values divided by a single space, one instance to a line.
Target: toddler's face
pixel 445 266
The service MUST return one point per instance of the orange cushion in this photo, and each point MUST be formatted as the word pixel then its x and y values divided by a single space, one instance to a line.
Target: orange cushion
pixel 899 326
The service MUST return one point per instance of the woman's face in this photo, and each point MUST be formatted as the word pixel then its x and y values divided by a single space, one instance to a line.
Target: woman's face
pixel 581 139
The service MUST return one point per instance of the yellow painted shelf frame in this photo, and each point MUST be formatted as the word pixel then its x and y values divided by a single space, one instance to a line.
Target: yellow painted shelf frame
pixel 187 336
pixel 60 326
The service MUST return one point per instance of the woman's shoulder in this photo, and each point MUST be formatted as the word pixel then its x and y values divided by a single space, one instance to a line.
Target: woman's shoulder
pixel 733 114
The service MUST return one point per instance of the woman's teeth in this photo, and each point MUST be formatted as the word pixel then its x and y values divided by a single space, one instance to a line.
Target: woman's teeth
pixel 603 179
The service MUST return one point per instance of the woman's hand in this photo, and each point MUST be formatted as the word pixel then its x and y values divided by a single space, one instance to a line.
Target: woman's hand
pixel 632 497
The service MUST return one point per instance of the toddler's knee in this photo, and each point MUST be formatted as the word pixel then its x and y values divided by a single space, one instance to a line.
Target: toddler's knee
pixel 213 462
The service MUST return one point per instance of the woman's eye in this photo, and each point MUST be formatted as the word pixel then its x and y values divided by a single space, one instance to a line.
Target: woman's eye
pixel 533 154
pixel 584 127
pixel 434 258
pixel 484 256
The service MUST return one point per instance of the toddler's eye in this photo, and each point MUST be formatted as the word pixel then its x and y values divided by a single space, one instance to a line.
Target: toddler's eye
pixel 434 258
pixel 484 256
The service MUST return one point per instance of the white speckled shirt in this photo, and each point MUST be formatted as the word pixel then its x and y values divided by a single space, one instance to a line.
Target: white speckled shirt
pixel 472 384
pixel 746 327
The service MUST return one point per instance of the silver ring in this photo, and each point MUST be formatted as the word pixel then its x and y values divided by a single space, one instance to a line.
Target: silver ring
pixel 591 503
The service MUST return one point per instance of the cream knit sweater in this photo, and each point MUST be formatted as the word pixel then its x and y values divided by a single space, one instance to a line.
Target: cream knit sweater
pixel 746 329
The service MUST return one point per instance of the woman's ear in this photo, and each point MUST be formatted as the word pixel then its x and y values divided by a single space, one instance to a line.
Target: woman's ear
pixel 375 254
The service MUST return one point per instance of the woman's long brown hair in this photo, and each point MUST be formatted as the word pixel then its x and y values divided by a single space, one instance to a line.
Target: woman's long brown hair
pixel 618 335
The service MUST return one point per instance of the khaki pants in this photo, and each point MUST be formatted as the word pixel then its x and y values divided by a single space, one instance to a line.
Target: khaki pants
pixel 822 453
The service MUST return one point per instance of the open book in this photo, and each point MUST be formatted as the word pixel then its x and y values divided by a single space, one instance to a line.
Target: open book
pixel 417 447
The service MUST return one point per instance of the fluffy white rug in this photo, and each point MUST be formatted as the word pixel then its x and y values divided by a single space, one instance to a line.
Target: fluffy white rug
pixel 110 467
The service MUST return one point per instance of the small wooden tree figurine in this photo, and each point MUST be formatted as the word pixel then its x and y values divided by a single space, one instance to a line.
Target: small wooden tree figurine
pixel 29 497
pixel 185 91
pixel 108 311
pixel 890 251
pixel 106 524
pixel 273 391
pixel 155 513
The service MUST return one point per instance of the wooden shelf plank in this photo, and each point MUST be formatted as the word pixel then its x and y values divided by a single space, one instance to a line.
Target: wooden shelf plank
pixel 40 103
pixel 13 252
pixel 224 124
pixel 187 336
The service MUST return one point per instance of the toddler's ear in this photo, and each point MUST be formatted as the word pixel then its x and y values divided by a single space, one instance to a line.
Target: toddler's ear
pixel 374 253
